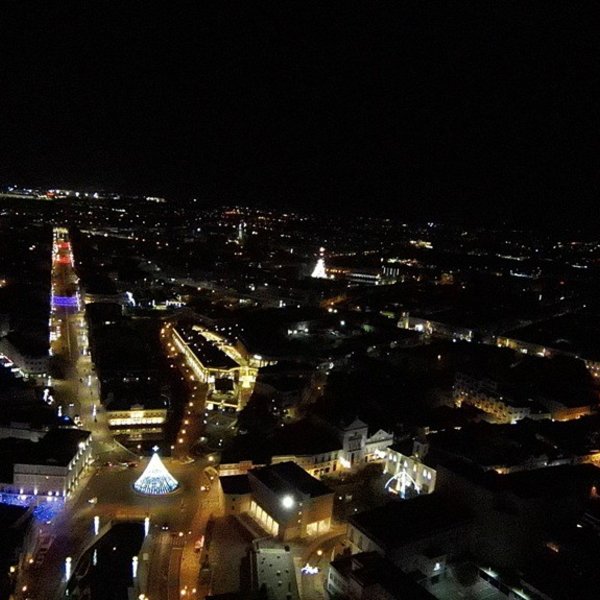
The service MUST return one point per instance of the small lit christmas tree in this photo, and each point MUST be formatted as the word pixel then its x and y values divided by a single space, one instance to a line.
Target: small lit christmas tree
pixel 319 270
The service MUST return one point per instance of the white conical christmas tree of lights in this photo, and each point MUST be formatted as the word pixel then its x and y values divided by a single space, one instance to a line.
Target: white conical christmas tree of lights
pixel 156 480
pixel 319 270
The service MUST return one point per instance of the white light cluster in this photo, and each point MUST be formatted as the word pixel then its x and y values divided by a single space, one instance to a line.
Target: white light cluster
pixel 319 270
pixel 156 480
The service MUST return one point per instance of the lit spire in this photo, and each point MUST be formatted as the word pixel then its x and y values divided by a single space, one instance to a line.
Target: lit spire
pixel 156 480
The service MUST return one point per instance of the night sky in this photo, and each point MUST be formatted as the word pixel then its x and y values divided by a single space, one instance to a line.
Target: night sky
pixel 461 110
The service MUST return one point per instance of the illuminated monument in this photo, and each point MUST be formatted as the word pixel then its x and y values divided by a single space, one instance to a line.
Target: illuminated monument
pixel 319 270
pixel 156 480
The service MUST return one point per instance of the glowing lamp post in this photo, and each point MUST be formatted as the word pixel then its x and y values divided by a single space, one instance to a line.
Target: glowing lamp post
pixel 96 524
pixel 134 566
pixel 68 568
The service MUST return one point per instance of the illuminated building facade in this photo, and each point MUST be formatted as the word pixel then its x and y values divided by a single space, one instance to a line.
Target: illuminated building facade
pixel 511 405
pixel 407 475
pixel 210 358
pixel 283 498
pixel 51 467
pixel 486 395
pixel 329 457
pixel 317 465
pixel 137 422
pixel 429 327
pixel 357 447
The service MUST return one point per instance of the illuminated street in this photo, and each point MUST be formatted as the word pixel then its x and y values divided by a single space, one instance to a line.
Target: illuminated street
pixel 77 393
pixel 111 488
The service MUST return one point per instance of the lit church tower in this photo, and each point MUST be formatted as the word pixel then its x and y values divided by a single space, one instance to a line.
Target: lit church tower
pixel 319 270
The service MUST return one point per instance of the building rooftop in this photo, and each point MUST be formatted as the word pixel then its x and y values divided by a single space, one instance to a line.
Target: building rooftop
pixel 56 448
pixel 235 484
pixel 274 568
pixel 489 446
pixel 304 437
pixel 370 568
pixel 404 521
pixel 566 567
pixel 12 516
pixel 574 333
pixel 558 481
pixel 98 313
pixel 31 341
pixel 121 347
pixel 208 353
pixel 288 477
pixel 131 399
pixel 525 381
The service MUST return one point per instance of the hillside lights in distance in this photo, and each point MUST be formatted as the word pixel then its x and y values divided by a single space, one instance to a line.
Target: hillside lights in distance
pixel 287 502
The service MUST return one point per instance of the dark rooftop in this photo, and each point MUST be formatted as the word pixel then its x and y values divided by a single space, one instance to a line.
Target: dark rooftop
pixel 304 437
pixel 57 447
pixel 369 568
pixel 489 445
pixel 559 481
pixel 208 353
pixel 573 333
pixel 235 484
pixel 288 476
pixel 12 516
pixel 400 522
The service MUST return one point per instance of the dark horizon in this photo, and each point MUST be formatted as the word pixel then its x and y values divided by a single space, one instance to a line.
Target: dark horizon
pixel 476 113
